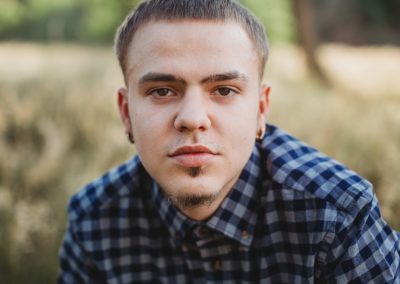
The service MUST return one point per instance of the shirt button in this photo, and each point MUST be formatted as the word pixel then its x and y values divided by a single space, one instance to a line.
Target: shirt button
pixel 242 249
pixel 177 237
pixel 216 265
pixel 204 231
pixel 245 235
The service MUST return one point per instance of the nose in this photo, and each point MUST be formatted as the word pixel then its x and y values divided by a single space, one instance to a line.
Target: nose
pixel 193 113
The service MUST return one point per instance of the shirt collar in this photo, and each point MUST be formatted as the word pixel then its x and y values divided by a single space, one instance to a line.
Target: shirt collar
pixel 236 217
pixel 177 223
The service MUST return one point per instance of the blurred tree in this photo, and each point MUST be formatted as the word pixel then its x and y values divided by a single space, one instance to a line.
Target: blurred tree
pixel 386 13
pixel 10 14
pixel 307 35
pixel 96 20
pixel 102 17
pixel 62 20
pixel 358 22
pixel 361 21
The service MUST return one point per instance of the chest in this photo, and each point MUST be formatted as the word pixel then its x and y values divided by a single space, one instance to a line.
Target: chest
pixel 204 256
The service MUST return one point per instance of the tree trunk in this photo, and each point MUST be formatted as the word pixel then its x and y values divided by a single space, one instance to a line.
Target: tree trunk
pixel 307 34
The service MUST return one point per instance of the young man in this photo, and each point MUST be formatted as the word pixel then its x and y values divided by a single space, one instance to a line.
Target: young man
pixel 210 198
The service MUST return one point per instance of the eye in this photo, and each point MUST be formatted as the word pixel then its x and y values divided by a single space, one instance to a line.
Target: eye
pixel 225 92
pixel 161 92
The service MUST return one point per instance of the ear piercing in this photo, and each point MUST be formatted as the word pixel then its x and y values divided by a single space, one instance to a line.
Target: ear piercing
pixel 260 133
pixel 130 137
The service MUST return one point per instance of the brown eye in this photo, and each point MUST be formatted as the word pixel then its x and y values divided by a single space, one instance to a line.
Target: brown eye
pixel 224 92
pixel 161 92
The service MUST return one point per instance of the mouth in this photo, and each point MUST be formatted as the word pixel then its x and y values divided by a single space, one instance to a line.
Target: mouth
pixel 193 156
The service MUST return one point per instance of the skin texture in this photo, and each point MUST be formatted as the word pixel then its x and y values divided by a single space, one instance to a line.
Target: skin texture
pixel 194 104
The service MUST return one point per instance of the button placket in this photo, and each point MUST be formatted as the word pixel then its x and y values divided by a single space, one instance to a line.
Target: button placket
pixel 216 265
pixel 203 232
pixel 245 235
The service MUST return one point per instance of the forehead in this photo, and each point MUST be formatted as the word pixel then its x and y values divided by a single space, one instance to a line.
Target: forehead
pixel 179 45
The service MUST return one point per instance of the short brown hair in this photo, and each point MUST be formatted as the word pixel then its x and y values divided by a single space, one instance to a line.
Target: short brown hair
pixel 217 10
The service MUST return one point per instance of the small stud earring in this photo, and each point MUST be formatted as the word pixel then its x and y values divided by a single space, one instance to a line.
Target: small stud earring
pixel 130 137
pixel 260 133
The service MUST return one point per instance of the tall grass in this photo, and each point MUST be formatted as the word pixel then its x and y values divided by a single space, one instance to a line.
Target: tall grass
pixel 59 129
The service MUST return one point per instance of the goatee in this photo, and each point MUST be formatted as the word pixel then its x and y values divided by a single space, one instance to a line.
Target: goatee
pixel 195 171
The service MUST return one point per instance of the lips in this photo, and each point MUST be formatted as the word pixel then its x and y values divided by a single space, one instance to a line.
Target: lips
pixel 193 156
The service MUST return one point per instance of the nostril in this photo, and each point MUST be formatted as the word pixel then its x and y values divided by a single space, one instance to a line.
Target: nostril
pixel 191 121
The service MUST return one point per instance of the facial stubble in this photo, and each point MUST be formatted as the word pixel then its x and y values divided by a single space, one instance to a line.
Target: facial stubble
pixel 195 172
pixel 193 200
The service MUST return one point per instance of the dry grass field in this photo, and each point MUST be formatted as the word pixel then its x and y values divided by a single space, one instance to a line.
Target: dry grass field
pixel 59 128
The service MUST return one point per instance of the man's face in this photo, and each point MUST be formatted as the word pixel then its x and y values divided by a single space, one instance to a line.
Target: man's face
pixel 194 104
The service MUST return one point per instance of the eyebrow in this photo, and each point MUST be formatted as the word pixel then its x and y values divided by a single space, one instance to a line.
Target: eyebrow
pixel 164 77
pixel 160 77
pixel 225 77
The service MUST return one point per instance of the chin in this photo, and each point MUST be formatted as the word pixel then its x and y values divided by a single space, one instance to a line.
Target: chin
pixel 193 197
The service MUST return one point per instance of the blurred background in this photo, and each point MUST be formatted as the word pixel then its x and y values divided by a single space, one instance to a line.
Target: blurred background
pixel 334 70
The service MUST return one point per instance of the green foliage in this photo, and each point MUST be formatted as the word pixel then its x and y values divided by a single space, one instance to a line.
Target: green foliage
pixel 102 17
pixel 277 17
pixel 63 20
pixel 39 20
pixel 97 20
pixel 380 12
pixel 10 14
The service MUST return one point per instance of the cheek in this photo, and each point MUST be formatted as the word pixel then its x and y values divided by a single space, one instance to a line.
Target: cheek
pixel 141 127
pixel 244 118
pixel 150 127
pixel 142 117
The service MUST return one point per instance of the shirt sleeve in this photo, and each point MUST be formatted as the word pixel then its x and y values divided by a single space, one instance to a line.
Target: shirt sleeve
pixel 364 249
pixel 75 265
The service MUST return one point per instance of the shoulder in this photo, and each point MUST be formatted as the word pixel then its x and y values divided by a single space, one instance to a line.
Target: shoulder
pixel 295 165
pixel 119 183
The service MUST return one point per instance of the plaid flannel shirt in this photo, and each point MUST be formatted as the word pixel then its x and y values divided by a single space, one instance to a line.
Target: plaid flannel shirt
pixel 294 216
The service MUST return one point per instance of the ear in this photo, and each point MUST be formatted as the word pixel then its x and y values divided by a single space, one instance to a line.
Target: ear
pixel 263 104
pixel 123 106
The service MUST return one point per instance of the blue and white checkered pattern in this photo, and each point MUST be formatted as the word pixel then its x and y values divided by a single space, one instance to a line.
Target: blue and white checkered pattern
pixel 294 216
